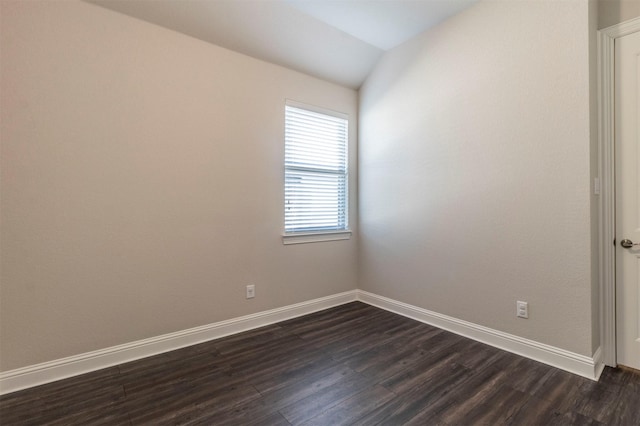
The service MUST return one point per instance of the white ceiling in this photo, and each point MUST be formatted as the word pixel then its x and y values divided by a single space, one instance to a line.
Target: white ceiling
pixel 336 40
pixel 382 23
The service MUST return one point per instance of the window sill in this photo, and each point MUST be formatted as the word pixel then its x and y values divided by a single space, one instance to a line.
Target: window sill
pixel 315 237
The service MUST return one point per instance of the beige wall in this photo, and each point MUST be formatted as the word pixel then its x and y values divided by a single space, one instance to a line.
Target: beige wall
pixel 475 171
pixel 142 179
pixel 611 12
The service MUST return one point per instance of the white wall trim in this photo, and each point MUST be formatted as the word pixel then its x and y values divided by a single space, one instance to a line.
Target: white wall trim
pixel 589 367
pixel 598 360
pixel 46 372
pixel 606 171
pixel 313 237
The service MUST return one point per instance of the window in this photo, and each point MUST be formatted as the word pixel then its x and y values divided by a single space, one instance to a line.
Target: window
pixel 316 178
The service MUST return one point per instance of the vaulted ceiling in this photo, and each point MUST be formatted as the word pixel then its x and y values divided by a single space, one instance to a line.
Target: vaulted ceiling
pixel 336 40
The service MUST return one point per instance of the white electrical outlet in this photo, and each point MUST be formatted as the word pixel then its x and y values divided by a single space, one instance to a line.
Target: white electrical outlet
pixel 522 309
pixel 251 291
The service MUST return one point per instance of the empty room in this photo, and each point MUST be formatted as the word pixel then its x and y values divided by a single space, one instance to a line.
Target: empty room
pixel 319 212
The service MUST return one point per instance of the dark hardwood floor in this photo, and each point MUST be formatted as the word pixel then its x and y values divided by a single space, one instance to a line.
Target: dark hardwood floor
pixel 354 364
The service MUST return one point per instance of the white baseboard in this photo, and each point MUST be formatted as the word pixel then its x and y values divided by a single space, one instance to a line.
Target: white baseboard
pixel 598 360
pixel 589 367
pixel 34 375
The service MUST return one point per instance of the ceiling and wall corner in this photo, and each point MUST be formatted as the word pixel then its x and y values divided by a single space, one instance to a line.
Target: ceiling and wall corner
pixel 338 41
pixel 384 24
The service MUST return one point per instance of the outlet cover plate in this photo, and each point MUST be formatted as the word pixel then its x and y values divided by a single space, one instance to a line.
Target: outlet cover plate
pixel 522 309
pixel 251 291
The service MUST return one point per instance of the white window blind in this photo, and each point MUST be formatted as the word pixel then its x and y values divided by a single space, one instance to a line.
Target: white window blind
pixel 316 180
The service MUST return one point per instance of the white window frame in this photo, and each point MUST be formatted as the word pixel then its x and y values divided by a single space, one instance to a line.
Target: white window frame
pixel 300 237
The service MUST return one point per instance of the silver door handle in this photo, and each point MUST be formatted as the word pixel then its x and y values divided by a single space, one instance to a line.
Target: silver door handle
pixel 628 243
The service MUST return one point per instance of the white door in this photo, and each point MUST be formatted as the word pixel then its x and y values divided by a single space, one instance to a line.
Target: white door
pixel 627 113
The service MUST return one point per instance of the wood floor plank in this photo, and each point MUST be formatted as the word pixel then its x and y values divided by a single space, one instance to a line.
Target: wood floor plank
pixel 478 388
pixel 115 414
pixel 384 362
pixel 406 325
pixel 160 362
pixel 275 373
pixel 145 379
pixel 293 374
pixel 99 396
pixel 597 403
pixel 353 408
pixel 188 382
pixel 340 332
pixel 631 383
pixel 22 408
pixel 187 403
pixel 351 364
pixel 528 375
pixel 412 336
pixel 311 321
pixel 424 402
pixel 355 345
pixel 256 412
pixel 536 411
pixel 441 341
pixel 253 339
pixel 626 411
pixel 318 402
pixel 476 355
pixel 424 370
pixel 575 419
pixel 616 378
pixel 272 419
pixel 330 324
pixel 491 406
pixel 289 346
pixel 562 388
pixel 306 387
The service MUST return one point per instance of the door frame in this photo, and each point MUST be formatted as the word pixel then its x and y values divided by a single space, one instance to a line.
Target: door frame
pixel 606 172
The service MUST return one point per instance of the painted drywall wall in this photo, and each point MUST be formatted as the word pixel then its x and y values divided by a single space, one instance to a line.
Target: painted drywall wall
pixel 611 12
pixel 142 183
pixel 475 171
